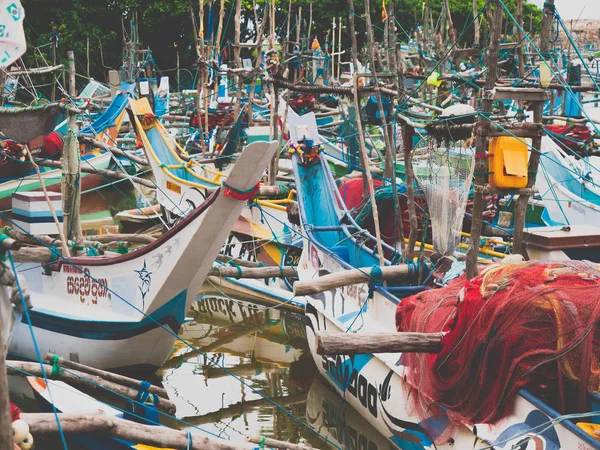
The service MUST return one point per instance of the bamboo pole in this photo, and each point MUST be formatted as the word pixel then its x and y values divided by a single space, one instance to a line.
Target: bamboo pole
pixel 390 151
pixel 481 163
pixel 520 53
pixel 352 31
pixel 110 174
pixel 339 64
pixel 310 8
pixel 109 376
pixel 328 343
pixel 71 188
pixel 65 249
pixel 348 278
pixel 44 424
pixel 257 64
pixel 451 31
pixel 367 167
pixel 407 136
pixel 536 142
pixel 87 54
pixel 114 150
pixel 274 133
pixel 274 443
pixel 86 380
pixel 6 433
pixel 333 36
pixel 476 31
pixel 255 272
pixel 236 57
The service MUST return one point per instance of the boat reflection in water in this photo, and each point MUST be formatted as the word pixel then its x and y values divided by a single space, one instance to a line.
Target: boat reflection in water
pixel 262 347
pixel 342 425
pixel 265 348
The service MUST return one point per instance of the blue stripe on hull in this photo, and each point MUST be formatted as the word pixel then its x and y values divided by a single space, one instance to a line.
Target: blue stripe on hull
pixel 171 314
pixel 27 219
pixel 26 213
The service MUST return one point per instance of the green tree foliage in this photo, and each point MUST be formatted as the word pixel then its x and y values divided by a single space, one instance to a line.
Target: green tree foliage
pixel 165 26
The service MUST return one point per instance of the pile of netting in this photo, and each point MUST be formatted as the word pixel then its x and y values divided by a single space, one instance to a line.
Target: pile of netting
pixel 533 325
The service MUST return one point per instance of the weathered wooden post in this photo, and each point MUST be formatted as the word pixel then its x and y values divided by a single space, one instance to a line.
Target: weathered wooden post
pixel 71 186
pixel 481 163
pixel 6 433
pixel 536 141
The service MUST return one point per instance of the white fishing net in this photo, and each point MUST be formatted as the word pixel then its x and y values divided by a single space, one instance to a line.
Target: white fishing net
pixel 444 172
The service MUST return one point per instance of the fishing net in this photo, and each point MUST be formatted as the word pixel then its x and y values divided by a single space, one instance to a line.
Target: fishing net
pixel 25 124
pixel 533 325
pixel 444 172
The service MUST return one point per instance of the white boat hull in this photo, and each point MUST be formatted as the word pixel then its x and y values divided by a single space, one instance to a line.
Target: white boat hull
pixel 374 385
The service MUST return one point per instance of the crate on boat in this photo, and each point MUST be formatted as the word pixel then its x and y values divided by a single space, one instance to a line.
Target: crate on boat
pixel 31 213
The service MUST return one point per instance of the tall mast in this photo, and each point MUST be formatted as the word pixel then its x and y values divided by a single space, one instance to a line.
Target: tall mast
pixel 71 183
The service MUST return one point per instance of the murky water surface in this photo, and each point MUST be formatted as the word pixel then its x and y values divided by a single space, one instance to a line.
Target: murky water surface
pixel 246 353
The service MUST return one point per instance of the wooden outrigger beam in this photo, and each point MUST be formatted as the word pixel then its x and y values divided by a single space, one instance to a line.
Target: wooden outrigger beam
pixel 350 277
pixel 364 343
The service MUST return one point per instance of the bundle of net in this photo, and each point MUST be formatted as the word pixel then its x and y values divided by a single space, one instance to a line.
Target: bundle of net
pixel 533 325
pixel 444 172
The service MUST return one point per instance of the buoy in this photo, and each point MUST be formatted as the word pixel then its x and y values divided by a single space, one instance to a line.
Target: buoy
pixel 20 431
pixel 27 444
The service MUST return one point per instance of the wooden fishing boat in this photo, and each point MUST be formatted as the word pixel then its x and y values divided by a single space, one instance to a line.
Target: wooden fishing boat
pixel 104 129
pixel 262 232
pixel 569 186
pixel 375 384
pixel 111 312
pixel 58 395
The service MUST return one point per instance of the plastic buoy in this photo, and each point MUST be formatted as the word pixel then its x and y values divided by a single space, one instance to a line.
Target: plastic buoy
pixel 27 444
pixel 20 431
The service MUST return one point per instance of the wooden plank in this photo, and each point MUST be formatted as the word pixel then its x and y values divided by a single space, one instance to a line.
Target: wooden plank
pixel 366 343
pixel 110 376
pixel 348 278
pixel 255 272
pixel 527 94
pixel 44 424
pixel 83 379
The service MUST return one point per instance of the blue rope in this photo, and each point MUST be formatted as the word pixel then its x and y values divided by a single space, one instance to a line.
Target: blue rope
pixel 37 349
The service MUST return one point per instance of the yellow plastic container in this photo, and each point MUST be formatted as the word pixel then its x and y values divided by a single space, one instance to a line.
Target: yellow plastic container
pixel 508 162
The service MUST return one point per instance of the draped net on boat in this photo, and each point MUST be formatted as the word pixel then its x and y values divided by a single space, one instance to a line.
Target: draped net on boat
pixel 533 325
pixel 444 171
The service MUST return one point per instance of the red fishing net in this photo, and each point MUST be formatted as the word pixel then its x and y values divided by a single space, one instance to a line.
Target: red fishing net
pixel 533 325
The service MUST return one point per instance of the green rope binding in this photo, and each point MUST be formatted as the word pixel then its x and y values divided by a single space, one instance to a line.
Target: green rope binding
pixel 56 370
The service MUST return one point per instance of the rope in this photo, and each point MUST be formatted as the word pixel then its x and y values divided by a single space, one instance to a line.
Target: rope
pixel 240 194
pixel 36 347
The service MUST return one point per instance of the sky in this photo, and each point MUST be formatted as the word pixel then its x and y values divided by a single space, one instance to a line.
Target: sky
pixel 571 9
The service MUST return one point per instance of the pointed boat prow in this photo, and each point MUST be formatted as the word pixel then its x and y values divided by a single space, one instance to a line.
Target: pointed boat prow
pixel 122 311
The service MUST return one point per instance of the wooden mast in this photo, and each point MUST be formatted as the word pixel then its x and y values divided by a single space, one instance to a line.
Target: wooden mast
pixel 71 185
pixel 367 167
pixel 536 141
pixel 256 64
pixel 339 51
pixel 358 115
pixel 481 163
pixel 520 53
pixel 6 433
pixel 390 150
